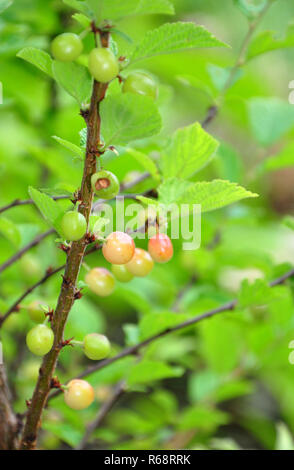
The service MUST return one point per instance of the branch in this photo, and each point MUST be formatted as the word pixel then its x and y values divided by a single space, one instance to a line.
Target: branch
pixel 24 202
pixel 9 426
pixel 26 248
pixel 212 111
pixel 73 264
pixel 132 350
pixel 119 390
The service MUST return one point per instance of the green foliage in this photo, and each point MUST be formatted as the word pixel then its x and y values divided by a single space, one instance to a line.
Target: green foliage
pixel 148 371
pixel 49 208
pixel 126 117
pixel 190 150
pixel 211 195
pixel 74 79
pixel 116 10
pixel 267 41
pixel 270 119
pixel 39 58
pixel 173 37
pixel 4 4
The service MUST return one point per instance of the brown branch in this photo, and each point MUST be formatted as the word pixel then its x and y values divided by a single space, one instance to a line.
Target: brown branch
pixel 26 248
pixel 74 261
pixel 213 110
pixel 119 390
pixel 9 425
pixel 24 202
pixel 133 350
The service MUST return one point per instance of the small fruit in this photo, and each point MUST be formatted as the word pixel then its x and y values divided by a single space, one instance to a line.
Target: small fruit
pixel 121 273
pixel 105 184
pixel 31 267
pixel 73 226
pixel 141 264
pixel 36 313
pixel 96 346
pixel 103 65
pixel 40 340
pixel 140 84
pixel 100 281
pixel 79 394
pixel 119 248
pixel 160 248
pixel 66 47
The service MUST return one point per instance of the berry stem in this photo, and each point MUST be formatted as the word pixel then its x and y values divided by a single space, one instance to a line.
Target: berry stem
pixel 73 265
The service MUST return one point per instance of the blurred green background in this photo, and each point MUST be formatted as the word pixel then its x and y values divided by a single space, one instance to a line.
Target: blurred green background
pixel 231 383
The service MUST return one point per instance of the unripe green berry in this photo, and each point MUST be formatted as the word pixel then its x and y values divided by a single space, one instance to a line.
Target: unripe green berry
pixel 103 65
pixel 79 394
pixel 105 184
pixel 140 84
pixel 66 47
pixel 40 340
pixel 36 313
pixel 121 273
pixel 73 226
pixel 141 264
pixel 96 346
pixel 100 281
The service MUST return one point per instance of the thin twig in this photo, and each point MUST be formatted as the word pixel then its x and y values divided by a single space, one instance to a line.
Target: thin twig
pixel 230 306
pixel 24 250
pixel 24 202
pixel 213 110
pixel 118 391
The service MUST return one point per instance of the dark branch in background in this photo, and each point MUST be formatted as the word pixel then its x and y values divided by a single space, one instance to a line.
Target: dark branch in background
pixel 230 306
pixel 118 391
pixel 26 248
pixel 25 202
pixel 213 110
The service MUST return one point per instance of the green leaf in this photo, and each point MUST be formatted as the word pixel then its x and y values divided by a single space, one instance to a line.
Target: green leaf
pixel 174 37
pixel 220 76
pixel 257 293
pixel 127 117
pixel 283 159
pixel 83 20
pixel 267 41
pixel 146 162
pixel 202 418
pixel 289 222
pixel 10 231
pixel 155 323
pixel 211 195
pixel 49 208
pixel 270 119
pixel 70 146
pixel 190 150
pixel 78 5
pixel 4 4
pixel 118 9
pixel 75 79
pixel 65 432
pixel 284 439
pixel 251 8
pixel 148 371
pixel 39 58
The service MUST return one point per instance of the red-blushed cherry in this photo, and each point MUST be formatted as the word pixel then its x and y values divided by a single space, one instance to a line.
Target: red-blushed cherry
pixel 79 394
pixel 141 263
pixel 119 248
pixel 100 281
pixel 160 248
